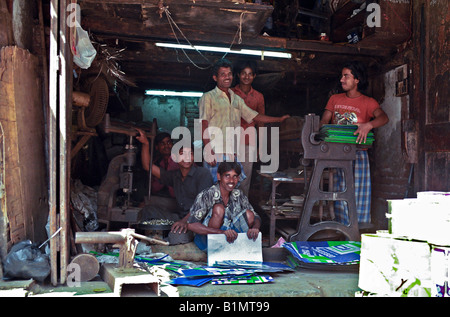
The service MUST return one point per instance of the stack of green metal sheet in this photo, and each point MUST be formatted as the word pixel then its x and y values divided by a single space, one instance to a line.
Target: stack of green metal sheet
pixel 342 134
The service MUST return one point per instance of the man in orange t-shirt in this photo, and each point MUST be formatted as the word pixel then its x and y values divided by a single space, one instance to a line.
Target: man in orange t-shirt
pixel 353 107
pixel 346 110
pixel 246 73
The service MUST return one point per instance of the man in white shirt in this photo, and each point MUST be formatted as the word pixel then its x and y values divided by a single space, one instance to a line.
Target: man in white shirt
pixel 220 108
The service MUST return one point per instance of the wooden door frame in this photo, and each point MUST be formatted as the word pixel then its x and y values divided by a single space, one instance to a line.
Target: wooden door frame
pixel 433 137
pixel 59 123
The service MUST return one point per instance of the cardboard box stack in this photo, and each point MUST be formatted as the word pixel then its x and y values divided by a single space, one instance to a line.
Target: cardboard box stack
pixel 411 258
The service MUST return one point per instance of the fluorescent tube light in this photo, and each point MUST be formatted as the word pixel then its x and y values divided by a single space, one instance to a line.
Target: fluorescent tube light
pixel 226 50
pixel 153 92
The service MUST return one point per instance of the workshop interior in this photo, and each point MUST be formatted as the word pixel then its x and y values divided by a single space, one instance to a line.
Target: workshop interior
pixel 79 77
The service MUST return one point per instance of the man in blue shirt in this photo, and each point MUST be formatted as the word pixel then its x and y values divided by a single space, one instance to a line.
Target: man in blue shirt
pixel 187 182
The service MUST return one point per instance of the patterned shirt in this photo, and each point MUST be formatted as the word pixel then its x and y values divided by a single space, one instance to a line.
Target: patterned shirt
pixel 215 107
pixel 235 210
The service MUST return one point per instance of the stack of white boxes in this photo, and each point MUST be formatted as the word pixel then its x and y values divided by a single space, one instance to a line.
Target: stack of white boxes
pixel 412 258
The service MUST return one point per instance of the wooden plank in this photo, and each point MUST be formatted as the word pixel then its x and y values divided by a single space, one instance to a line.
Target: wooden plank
pixel 167 2
pixel 138 32
pixel 22 120
pixel 437 137
pixel 52 138
pixel 437 170
pixel 60 90
pixel 65 119
pixel 6 29
pixel 430 99
pixel 30 120
pixel 218 16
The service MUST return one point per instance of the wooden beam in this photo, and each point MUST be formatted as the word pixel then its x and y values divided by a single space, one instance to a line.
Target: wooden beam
pixel 65 119
pixel 52 138
pixel 437 137
pixel 126 20
pixel 234 3
pixel 59 119
pixel 225 39
pixel 218 16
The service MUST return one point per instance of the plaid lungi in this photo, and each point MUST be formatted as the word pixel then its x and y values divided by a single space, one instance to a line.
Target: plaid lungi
pixel 361 174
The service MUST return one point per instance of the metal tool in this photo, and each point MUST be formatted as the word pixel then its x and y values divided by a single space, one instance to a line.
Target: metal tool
pixel 118 181
pixel 326 155
pixel 126 239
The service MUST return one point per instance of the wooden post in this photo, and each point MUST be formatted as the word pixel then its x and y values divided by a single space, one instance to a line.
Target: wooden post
pixel 52 137
pixel 65 119
pixel 59 118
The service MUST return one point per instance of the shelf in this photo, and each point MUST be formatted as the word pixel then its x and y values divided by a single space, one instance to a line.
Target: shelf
pixel 285 209
pixel 343 22
pixel 395 24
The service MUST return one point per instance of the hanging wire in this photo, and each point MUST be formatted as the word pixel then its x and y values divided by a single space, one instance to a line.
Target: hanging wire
pixel 241 19
pixel 239 31
pixel 173 23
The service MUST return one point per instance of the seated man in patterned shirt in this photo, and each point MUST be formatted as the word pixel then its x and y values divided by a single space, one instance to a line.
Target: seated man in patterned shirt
pixel 222 208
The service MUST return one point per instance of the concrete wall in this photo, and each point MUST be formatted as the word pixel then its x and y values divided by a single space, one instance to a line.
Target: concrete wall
pixel 388 166
pixel 167 111
pixel 170 112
